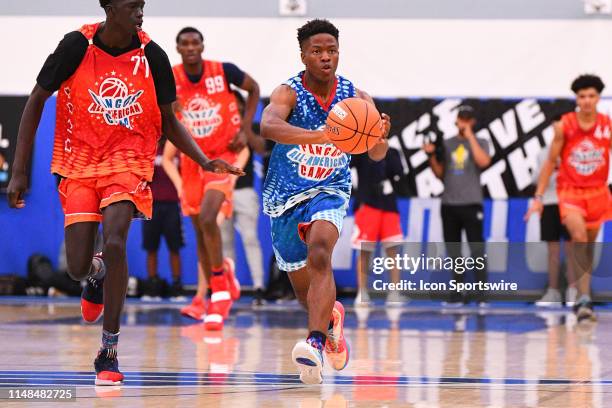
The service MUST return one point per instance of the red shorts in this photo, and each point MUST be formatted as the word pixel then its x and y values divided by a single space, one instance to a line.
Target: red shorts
pixel 593 203
pixel 84 199
pixel 196 182
pixel 373 225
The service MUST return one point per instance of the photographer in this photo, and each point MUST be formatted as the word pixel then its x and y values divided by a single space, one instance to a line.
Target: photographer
pixel 458 162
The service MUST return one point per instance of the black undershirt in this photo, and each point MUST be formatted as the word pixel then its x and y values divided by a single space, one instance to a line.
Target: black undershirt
pixel 371 177
pixel 67 57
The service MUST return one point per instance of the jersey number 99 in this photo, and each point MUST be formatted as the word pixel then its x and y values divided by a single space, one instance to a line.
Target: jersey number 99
pixel 214 84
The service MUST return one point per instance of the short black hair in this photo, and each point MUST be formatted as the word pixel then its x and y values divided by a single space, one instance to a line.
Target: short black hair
pixel 105 3
pixel 588 81
pixel 189 30
pixel 314 27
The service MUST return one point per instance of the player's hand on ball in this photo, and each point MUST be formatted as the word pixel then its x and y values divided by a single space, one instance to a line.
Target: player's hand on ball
pixel 536 207
pixel 320 137
pixel 16 188
pixel 219 166
pixel 385 125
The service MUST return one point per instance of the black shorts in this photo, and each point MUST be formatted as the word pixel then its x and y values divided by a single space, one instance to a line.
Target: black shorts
pixel 551 228
pixel 166 221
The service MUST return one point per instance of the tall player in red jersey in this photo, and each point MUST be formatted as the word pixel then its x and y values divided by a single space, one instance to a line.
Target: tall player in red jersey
pixel 582 144
pixel 207 107
pixel 115 98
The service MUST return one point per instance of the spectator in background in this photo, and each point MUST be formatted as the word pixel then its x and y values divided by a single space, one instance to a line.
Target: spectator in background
pixel 166 222
pixel 4 168
pixel 246 214
pixel 458 164
pixel 377 218
pixel 551 231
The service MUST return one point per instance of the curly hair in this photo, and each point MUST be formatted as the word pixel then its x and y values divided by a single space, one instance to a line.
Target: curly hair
pixel 314 27
pixel 588 81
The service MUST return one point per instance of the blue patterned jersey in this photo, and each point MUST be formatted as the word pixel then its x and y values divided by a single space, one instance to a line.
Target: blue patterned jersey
pixel 299 172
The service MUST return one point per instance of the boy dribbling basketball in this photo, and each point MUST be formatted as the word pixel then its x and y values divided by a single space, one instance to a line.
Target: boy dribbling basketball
pixel 307 206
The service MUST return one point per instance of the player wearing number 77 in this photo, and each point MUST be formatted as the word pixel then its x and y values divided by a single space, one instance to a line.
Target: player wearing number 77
pixel 115 97
pixel 307 190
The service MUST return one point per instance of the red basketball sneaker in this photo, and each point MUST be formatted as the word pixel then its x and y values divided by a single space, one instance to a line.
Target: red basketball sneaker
pixel 220 303
pixel 234 284
pixel 92 296
pixel 336 347
pixel 195 310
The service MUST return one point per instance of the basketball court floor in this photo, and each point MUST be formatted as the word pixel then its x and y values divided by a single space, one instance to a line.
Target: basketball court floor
pixel 415 356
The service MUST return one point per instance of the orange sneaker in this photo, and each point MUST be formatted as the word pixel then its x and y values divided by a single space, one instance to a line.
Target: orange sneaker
pixel 336 347
pixel 233 284
pixel 195 310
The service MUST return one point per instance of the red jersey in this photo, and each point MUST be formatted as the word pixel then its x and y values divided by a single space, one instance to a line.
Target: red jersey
pixel 108 120
pixel 207 108
pixel 585 158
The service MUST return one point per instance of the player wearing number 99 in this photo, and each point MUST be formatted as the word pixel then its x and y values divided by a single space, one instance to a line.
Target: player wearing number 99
pixel 115 97
pixel 307 189
pixel 207 107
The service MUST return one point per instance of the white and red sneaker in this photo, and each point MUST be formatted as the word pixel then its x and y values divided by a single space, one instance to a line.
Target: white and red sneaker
pixel 233 284
pixel 220 303
pixel 336 347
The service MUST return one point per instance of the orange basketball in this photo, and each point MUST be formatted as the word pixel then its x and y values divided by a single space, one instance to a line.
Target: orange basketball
pixel 354 125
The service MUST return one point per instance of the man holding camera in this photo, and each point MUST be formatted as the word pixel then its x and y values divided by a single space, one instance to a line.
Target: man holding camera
pixel 458 162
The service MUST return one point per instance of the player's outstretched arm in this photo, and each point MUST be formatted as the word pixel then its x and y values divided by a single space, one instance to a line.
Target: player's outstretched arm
pixel 547 170
pixel 379 151
pixel 274 124
pixel 180 137
pixel 25 139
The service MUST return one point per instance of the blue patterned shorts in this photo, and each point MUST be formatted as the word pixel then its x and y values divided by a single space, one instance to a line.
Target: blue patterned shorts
pixel 290 250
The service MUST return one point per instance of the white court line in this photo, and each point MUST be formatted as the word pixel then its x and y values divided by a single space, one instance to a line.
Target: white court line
pixel 289 377
pixel 329 384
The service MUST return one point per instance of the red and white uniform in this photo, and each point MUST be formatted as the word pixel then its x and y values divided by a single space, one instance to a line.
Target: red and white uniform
pixel 209 110
pixel 582 181
pixel 107 126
